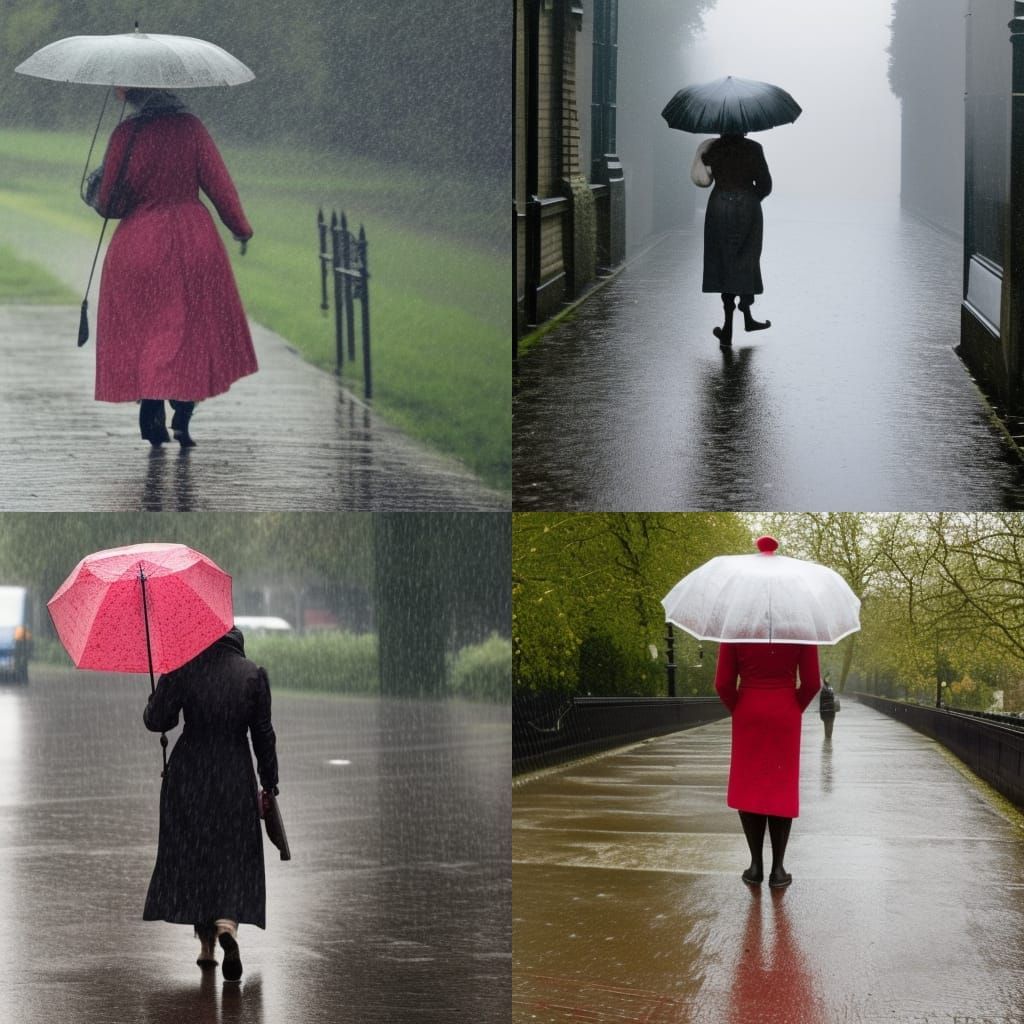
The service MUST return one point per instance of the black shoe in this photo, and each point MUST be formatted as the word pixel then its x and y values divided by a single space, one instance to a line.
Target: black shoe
pixel 752 877
pixel 207 965
pixel 156 436
pixel 750 324
pixel 184 438
pixel 779 879
pixel 232 966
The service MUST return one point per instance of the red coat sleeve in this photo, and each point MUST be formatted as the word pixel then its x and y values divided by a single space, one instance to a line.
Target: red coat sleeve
pixel 113 172
pixel 725 676
pixel 215 181
pixel 810 678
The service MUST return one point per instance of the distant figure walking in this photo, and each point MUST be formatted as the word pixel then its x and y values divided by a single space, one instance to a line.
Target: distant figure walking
pixel 171 324
pixel 764 769
pixel 828 706
pixel 733 224
pixel 209 863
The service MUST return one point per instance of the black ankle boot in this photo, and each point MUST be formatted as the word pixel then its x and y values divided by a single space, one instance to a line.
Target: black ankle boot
pixel 180 421
pixel 749 323
pixel 724 333
pixel 151 422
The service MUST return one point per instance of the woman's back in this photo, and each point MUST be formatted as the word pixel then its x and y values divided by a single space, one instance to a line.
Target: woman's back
pixel 738 164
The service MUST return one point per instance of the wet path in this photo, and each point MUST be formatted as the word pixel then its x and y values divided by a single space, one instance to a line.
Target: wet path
pixel 284 438
pixel 395 906
pixel 853 399
pixel 905 904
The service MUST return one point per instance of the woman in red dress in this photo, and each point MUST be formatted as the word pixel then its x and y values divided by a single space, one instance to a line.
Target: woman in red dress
pixel 764 771
pixel 171 324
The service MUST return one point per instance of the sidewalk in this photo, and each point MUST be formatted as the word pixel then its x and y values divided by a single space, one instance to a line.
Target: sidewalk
pixel 905 904
pixel 853 399
pixel 285 438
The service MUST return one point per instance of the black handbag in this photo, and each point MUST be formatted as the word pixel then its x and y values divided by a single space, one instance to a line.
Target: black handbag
pixel 274 824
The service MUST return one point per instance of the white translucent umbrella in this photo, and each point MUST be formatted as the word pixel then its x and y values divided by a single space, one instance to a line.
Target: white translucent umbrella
pixel 136 59
pixel 764 598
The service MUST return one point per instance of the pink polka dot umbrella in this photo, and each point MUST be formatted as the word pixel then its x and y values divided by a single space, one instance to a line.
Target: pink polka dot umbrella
pixel 142 607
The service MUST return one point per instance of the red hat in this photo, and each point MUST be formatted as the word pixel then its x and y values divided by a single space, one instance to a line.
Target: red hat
pixel 767 545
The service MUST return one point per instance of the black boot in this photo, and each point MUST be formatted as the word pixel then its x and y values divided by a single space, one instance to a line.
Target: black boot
pixel 724 333
pixel 180 421
pixel 152 425
pixel 753 829
pixel 749 323
pixel 778 832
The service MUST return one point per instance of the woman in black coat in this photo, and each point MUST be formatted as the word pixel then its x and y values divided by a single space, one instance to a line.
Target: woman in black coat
pixel 209 864
pixel 733 225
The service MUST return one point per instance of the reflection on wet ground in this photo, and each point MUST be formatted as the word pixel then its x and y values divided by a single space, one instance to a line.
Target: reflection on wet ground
pixel 853 399
pixel 396 905
pixel 629 905
pixel 284 438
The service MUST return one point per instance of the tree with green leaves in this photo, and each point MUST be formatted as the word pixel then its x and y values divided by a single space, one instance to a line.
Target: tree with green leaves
pixel 586 593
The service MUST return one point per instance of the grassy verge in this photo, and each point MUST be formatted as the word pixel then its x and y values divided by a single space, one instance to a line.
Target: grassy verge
pixel 345 664
pixel 24 282
pixel 440 347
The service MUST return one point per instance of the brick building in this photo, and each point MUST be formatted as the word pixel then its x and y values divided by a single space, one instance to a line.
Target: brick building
pixel 569 208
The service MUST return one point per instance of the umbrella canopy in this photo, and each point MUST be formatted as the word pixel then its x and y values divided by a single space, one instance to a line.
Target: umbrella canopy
pixel 103 622
pixel 764 598
pixel 730 106
pixel 136 59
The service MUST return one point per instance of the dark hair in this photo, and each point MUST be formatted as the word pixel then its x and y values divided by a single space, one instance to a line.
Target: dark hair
pixel 153 101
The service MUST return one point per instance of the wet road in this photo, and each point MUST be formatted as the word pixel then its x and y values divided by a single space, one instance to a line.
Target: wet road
pixel 395 907
pixel 853 399
pixel 284 438
pixel 905 904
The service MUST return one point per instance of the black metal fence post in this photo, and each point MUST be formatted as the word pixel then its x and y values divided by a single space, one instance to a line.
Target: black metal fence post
pixel 325 257
pixel 364 295
pixel 338 233
pixel 350 313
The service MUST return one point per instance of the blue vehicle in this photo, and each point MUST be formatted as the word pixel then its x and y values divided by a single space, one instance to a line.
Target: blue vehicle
pixel 15 635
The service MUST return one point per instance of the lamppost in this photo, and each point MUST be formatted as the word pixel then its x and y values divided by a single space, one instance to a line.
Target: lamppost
pixel 670 655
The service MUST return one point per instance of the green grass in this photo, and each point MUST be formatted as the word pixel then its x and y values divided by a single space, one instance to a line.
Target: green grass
pixel 437 288
pixel 24 282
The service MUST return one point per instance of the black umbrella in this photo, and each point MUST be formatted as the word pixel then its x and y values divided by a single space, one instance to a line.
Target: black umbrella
pixel 730 106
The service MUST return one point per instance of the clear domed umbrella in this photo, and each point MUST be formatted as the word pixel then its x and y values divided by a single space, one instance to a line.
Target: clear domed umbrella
pixel 764 598
pixel 132 60
pixel 136 59
pixel 730 106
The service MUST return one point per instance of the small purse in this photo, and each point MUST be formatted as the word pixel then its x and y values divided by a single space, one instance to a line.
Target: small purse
pixel 274 824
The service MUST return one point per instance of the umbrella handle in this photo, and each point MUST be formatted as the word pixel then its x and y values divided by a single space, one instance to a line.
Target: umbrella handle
pixel 149 656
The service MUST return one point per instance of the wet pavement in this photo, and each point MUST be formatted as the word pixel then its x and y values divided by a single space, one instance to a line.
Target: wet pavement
pixel 905 904
pixel 853 399
pixel 287 437
pixel 395 906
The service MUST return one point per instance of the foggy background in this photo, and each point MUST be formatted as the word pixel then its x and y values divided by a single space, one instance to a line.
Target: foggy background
pixel 833 58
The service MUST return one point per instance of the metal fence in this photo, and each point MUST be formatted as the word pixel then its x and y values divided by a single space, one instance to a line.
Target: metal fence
pixel 548 729
pixel 343 258
pixel 993 750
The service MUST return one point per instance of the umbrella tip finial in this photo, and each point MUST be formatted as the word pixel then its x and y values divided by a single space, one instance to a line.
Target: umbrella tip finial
pixel 767 545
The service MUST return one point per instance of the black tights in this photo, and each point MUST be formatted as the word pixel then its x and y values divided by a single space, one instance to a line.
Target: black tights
pixel 778 833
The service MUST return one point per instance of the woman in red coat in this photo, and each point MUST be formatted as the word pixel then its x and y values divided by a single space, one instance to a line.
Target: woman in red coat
pixel 171 324
pixel 764 772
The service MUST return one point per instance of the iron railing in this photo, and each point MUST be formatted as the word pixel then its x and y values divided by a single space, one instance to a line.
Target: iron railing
pixel 549 729
pixel 992 750
pixel 343 258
